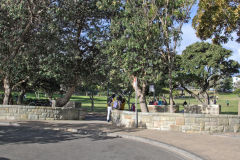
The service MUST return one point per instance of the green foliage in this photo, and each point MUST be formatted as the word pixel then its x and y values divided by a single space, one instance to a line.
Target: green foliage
pixel 225 84
pixel 137 35
pixel 21 24
pixel 47 43
pixel 237 92
pixel 204 64
pixel 17 21
pixel 217 19
pixel 144 36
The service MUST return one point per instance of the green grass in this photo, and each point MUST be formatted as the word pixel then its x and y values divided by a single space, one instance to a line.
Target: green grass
pixel 222 98
pixel 100 102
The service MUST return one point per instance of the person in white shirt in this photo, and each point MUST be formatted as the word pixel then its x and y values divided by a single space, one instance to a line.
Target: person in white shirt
pixel 109 106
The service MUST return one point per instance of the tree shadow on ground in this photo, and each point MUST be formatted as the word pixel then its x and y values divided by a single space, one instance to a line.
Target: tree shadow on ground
pixel 44 132
pixel 2 158
pixel 91 126
pixel 24 134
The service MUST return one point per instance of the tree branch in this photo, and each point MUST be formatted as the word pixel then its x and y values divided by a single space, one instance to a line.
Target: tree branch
pixel 20 82
pixel 195 95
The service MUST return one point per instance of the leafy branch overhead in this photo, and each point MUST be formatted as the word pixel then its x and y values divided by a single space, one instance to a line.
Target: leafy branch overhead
pixel 217 19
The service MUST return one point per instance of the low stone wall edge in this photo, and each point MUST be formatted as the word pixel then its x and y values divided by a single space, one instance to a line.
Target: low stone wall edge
pixel 183 122
pixel 21 112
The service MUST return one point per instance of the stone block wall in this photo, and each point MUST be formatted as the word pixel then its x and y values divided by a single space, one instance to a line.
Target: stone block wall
pixel 200 109
pixel 70 104
pixel 162 108
pixel 19 112
pixel 239 108
pixel 182 122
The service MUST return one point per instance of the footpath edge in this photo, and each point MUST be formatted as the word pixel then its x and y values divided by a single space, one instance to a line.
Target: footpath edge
pixel 168 147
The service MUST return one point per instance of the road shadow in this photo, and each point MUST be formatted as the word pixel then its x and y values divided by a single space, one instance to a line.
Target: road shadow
pixel 2 158
pixel 24 134
pixel 88 125
pixel 44 132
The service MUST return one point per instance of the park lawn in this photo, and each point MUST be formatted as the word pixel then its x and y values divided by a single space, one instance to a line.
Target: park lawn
pixel 100 102
pixel 222 98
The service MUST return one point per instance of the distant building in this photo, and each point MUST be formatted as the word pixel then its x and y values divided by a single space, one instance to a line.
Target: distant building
pixel 235 81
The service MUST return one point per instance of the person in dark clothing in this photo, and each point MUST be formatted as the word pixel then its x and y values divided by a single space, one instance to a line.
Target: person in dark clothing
pixel 184 103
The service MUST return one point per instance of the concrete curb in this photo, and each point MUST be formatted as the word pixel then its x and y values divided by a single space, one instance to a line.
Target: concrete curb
pixel 168 147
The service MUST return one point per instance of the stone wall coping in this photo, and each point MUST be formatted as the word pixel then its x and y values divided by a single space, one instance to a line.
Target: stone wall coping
pixel 160 105
pixel 178 114
pixel 37 107
pixel 210 105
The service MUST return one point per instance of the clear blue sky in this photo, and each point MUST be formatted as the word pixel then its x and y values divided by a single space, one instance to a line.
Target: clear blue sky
pixel 189 37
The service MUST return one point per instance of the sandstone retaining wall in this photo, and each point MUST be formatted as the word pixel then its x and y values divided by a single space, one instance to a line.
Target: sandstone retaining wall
pixel 162 108
pixel 214 109
pixel 183 122
pixel 19 112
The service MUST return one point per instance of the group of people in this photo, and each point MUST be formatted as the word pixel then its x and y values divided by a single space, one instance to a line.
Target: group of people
pixel 158 102
pixel 114 102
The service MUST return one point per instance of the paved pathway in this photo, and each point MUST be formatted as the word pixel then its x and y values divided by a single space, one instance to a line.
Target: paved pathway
pixel 214 147
pixel 30 140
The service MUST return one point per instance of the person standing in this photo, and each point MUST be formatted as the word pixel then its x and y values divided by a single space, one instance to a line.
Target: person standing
pixel 184 103
pixel 227 102
pixel 133 107
pixel 109 106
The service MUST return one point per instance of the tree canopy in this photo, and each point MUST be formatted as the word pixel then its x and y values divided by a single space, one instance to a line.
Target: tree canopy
pixel 217 19
pixel 203 65
pixel 51 45
pixel 60 38
pixel 143 38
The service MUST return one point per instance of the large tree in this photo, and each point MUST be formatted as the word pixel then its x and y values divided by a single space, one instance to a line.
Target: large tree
pixel 19 22
pixel 203 65
pixel 143 38
pixel 81 24
pixel 172 16
pixel 217 19
pixel 134 38
pixel 61 36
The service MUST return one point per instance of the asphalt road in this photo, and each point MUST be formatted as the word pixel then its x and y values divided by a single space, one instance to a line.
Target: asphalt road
pixel 29 143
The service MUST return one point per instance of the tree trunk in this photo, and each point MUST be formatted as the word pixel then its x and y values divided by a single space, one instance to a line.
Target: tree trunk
pixel 92 101
pixel 20 97
pixel 170 89
pixel 141 96
pixel 142 101
pixel 195 95
pixel 206 98
pixel 60 102
pixel 7 91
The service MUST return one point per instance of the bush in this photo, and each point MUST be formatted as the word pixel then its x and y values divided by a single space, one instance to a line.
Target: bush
pixel 237 92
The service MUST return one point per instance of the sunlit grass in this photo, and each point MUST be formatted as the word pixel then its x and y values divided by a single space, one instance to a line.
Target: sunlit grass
pixel 100 101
